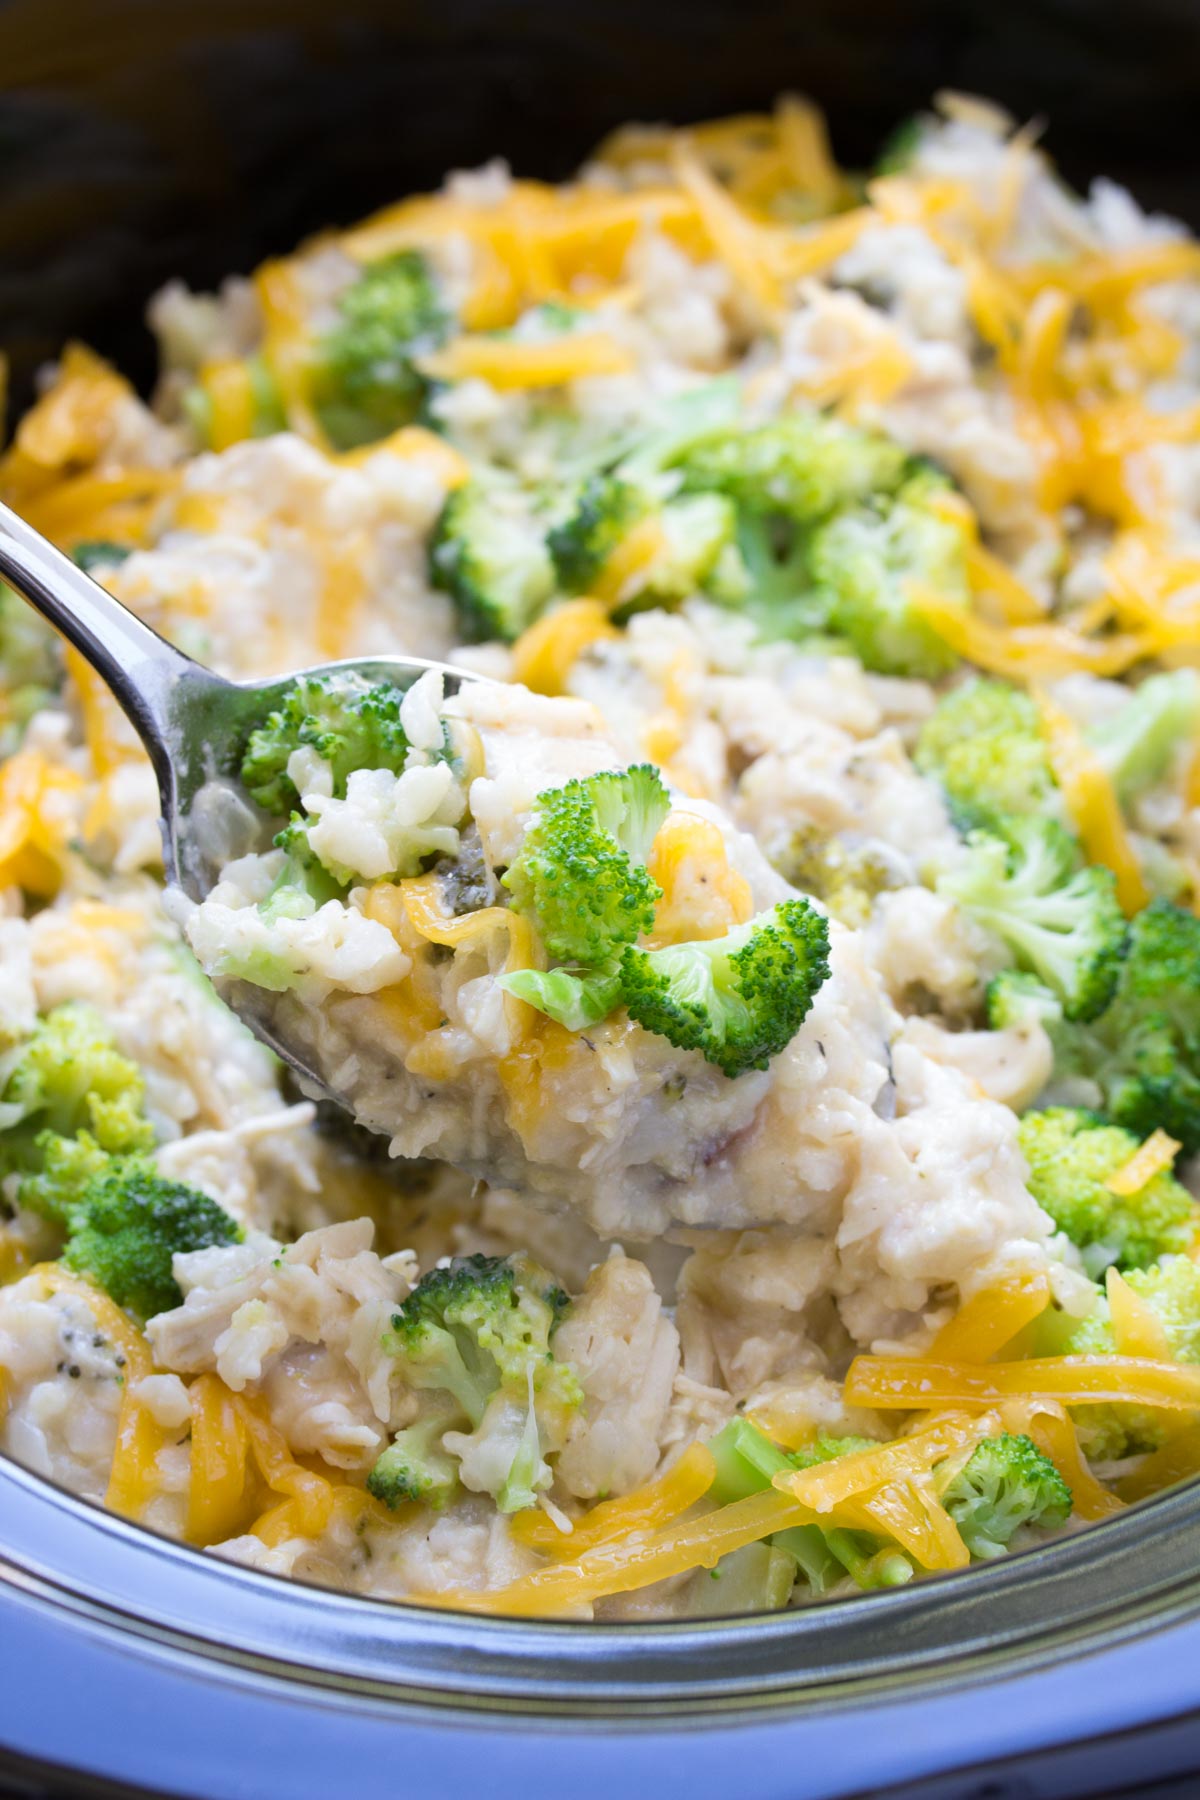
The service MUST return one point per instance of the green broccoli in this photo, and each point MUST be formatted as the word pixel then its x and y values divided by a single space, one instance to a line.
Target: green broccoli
pixel 98 553
pixel 1114 1430
pixel 63 1167
pixel 1071 1155
pixel 1017 1001
pixel 1005 1486
pixel 606 508
pixel 864 560
pixel 478 1334
pixel 1062 922
pixel 900 147
pixel 984 744
pixel 805 466
pixel 698 550
pixel 738 999
pixel 775 589
pixel 127 1225
pixel 575 1000
pixel 415 1466
pixel 1142 1053
pixel 69 1078
pixel 489 553
pixel 1136 745
pixel 304 883
pixel 365 382
pixel 747 1461
pixel 581 867
pixel 847 878
pixel 350 723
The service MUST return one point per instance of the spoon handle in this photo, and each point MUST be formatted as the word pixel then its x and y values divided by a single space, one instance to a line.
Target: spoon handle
pixel 139 667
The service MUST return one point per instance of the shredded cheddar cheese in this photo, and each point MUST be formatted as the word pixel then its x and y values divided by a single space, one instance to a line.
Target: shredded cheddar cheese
pixel 510 363
pixel 544 655
pixel 646 1509
pixel 1092 803
pixel 1157 1154
pixel 1076 1380
pixel 990 1319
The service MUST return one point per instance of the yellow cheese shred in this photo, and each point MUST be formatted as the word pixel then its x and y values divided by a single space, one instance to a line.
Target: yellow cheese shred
pixel 1137 1329
pixel 911 1383
pixel 1148 1160
pixel 1047 1423
pixel 702 895
pixel 990 1319
pixel 544 655
pixel 566 1589
pixel 648 1508
pixel 512 363
pixel 38 813
pixel 133 1480
pixel 1092 803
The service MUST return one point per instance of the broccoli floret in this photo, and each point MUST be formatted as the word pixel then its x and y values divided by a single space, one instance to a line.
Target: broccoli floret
pixel 1071 1155
pixel 70 1078
pixel 605 510
pixel 348 722
pixel 697 537
pixel 581 867
pixel 1136 745
pixel 64 1167
pixel 127 1224
pixel 304 883
pixel 864 561
pixel 415 1466
pixel 98 553
pixel 365 381
pixel 738 999
pixel 479 1333
pixel 1143 1051
pixel 984 744
pixel 574 1000
pixel 1018 1001
pixel 1061 922
pixel 805 465
pixel 1005 1486
pixel 747 1461
pixel 769 580
pixel 489 553
pixel 900 147
pixel 846 877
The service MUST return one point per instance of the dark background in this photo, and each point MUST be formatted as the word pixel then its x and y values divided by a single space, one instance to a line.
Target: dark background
pixel 145 138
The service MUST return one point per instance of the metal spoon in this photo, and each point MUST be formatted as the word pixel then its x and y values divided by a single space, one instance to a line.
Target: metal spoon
pixel 193 723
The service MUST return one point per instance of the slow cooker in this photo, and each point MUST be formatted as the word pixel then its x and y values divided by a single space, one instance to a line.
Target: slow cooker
pixel 148 138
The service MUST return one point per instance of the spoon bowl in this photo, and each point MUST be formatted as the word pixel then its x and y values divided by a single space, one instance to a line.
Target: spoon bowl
pixel 193 724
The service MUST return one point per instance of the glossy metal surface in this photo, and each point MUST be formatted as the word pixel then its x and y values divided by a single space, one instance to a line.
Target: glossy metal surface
pixel 1020 1614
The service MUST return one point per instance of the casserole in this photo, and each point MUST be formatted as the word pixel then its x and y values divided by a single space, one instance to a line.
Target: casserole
pixel 679 1639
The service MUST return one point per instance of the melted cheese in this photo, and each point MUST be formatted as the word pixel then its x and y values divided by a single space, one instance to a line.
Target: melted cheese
pixel 648 1508
pixel 1157 1154
pixel 511 363
pixel 909 1383
pixel 544 655
pixel 1092 804
pixel 992 1318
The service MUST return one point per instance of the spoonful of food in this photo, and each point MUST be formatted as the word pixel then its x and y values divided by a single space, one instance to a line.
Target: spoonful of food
pixel 194 724
pixel 454 908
